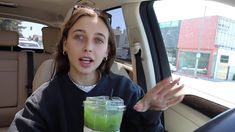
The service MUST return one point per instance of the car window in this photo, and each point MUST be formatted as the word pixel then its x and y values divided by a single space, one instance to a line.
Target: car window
pixel 30 33
pixel 199 38
pixel 118 24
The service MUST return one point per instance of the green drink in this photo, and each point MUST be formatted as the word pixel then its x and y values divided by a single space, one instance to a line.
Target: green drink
pixel 103 114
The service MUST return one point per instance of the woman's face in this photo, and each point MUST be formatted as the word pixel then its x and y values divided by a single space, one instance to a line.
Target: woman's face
pixel 86 45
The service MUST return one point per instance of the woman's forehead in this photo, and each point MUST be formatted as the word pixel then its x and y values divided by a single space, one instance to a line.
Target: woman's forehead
pixel 91 24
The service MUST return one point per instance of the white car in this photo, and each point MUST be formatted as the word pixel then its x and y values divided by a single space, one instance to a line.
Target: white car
pixel 29 44
pixel 172 67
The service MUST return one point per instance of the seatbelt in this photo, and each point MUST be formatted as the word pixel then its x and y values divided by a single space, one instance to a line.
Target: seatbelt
pixel 30 73
pixel 140 74
pixel 139 68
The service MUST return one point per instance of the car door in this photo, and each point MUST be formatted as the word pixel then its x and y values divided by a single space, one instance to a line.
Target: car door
pixel 198 40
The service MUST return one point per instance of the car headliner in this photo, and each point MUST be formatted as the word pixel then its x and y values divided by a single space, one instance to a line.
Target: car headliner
pixel 49 12
pixel 53 12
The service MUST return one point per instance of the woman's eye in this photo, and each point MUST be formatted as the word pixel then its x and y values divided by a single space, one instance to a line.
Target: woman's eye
pixel 99 41
pixel 79 37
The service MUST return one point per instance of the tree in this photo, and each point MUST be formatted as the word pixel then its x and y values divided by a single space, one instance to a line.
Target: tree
pixel 12 25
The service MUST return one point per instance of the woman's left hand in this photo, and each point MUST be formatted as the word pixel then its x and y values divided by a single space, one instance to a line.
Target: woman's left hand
pixel 161 97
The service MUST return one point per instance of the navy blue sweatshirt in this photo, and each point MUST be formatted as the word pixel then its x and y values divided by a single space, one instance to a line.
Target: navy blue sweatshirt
pixel 59 107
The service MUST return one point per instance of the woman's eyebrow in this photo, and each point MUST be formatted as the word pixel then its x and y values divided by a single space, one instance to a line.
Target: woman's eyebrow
pixel 79 30
pixel 102 35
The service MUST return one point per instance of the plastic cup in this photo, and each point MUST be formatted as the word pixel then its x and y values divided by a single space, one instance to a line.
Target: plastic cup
pixel 103 114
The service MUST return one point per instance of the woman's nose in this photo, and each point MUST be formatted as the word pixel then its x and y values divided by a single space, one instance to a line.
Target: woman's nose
pixel 87 47
pixel 87 50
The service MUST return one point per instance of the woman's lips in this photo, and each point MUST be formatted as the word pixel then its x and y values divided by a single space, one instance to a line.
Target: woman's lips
pixel 86 61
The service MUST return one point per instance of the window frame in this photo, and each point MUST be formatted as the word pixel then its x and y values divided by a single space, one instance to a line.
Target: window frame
pixel 161 63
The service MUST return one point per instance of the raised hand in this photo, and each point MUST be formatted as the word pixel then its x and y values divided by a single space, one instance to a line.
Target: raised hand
pixel 161 96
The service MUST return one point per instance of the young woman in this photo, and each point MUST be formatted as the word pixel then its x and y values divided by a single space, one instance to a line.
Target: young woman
pixel 84 56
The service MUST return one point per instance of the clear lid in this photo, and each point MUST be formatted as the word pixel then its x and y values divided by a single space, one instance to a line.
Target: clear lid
pixel 116 103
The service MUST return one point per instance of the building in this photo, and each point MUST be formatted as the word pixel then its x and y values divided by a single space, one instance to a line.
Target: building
pixel 170 35
pixel 123 47
pixel 205 46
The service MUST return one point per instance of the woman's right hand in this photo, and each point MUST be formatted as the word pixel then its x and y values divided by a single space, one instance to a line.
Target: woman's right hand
pixel 161 96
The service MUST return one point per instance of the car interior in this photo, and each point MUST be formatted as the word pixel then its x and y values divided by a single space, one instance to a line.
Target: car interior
pixel 22 71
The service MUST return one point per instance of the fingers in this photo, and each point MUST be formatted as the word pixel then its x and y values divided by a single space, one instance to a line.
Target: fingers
pixel 140 106
pixel 168 87
pixel 170 103
pixel 174 92
pixel 162 84
pixel 161 96
pixel 175 100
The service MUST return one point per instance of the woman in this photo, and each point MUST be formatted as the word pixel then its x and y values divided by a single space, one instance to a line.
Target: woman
pixel 84 56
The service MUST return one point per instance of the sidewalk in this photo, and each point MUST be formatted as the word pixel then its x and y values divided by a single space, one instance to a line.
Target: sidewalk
pixel 216 90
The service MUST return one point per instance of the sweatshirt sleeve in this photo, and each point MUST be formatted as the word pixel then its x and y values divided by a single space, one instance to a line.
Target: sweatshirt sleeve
pixel 28 119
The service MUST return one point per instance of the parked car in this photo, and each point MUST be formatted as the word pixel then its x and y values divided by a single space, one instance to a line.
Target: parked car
pixel 172 67
pixel 29 44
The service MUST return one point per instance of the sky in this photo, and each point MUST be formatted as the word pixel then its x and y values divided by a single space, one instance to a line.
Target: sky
pixel 117 19
pixel 166 10
pixel 31 28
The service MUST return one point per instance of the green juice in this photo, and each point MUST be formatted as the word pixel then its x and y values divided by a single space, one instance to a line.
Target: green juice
pixel 103 115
